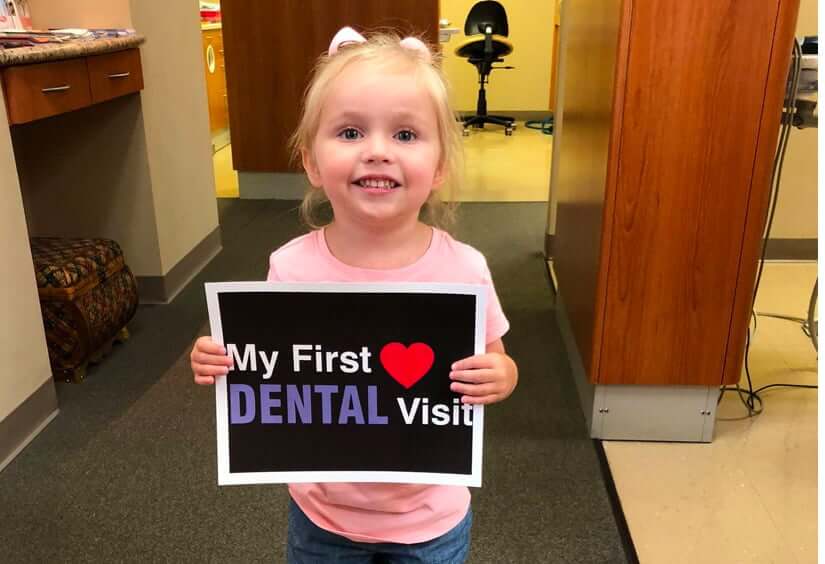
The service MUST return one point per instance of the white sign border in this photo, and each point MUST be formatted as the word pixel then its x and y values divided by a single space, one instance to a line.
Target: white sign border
pixel 226 478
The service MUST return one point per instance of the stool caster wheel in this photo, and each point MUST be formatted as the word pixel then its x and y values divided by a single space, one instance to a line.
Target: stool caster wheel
pixel 465 132
pixel 508 131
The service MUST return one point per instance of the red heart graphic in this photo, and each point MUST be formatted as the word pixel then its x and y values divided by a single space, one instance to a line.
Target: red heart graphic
pixel 407 365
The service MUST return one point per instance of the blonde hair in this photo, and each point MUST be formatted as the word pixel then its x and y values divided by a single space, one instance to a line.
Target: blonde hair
pixel 384 51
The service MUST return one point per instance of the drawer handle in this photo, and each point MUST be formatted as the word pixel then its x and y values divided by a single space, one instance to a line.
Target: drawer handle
pixel 55 89
pixel 120 75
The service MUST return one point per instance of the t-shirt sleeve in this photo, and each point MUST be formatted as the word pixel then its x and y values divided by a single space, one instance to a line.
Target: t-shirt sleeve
pixel 497 324
pixel 272 275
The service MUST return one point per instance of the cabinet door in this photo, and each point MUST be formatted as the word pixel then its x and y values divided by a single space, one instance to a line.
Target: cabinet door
pixel 215 80
pixel 114 74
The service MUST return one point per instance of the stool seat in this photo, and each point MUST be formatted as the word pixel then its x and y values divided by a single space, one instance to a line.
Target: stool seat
pixel 473 47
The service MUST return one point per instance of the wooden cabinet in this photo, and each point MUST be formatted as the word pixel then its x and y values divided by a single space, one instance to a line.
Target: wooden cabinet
pixel 43 90
pixel 215 70
pixel 114 74
pixel 671 117
pixel 46 89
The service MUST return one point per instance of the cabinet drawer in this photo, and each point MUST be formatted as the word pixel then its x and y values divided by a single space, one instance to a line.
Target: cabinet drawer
pixel 45 89
pixel 115 74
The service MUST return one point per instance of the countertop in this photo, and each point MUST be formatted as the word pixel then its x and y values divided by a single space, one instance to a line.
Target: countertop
pixel 56 51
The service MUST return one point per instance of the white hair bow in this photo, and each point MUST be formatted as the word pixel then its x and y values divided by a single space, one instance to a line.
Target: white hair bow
pixel 348 35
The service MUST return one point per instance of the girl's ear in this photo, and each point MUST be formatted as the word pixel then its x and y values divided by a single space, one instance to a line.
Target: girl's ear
pixel 438 179
pixel 311 168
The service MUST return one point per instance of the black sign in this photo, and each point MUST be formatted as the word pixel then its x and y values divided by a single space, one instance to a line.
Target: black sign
pixel 346 382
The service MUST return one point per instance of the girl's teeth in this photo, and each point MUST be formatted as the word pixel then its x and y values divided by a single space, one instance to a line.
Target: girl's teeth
pixel 371 183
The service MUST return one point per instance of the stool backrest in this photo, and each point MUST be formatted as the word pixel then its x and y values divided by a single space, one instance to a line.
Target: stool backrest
pixel 484 13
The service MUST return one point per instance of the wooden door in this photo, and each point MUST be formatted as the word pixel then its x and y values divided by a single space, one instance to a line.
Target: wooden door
pixel 213 62
pixel 271 47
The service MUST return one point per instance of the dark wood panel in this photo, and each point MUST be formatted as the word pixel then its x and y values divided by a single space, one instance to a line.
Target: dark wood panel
pixel 115 74
pixel 45 89
pixel 590 53
pixel 759 196
pixel 695 84
pixel 270 48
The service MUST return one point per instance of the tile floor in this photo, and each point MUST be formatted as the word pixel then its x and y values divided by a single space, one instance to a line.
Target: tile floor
pixel 750 496
pixel 226 178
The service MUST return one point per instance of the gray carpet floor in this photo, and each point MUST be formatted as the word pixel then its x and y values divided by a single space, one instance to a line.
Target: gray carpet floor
pixel 127 471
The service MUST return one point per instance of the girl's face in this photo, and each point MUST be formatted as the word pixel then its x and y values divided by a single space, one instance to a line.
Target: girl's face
pixel 376 150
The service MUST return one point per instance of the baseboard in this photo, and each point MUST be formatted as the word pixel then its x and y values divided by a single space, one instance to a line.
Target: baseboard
pixel 528 115
pixel 272 185
pixel 24 423
pixel 586 389
pixel 791 249
pixel 163 289
pixel 548 246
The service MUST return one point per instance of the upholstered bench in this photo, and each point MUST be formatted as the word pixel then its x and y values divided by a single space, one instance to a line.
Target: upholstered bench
pixel 87 296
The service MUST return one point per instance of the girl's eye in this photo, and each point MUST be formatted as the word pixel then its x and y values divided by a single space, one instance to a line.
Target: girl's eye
pixel 349 133
pixel 405 135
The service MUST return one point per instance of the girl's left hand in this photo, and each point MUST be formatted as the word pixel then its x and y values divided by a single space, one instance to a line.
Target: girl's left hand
pixel 484 378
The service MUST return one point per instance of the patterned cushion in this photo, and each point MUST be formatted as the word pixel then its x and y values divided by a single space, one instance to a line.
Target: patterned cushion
pixel 66 263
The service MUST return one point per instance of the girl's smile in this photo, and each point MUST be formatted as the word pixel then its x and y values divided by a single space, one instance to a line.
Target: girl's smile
pixel 377 184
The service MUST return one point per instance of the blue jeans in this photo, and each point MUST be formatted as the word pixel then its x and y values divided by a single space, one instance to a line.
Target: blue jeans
pixel 309 544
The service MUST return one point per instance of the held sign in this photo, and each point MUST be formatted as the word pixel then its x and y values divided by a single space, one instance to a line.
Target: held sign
pixel 346 382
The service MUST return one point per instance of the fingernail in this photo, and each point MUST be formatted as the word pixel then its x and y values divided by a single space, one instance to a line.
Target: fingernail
pixel 452 375
pixel 453 365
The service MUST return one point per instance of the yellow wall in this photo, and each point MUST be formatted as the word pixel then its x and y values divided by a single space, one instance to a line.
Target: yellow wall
pixel 525 88
pixel 797 205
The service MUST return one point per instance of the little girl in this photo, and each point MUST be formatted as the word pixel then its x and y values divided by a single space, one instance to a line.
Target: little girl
pixel 378 141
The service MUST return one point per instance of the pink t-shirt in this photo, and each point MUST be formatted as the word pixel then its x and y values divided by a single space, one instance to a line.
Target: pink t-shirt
pixel 368 512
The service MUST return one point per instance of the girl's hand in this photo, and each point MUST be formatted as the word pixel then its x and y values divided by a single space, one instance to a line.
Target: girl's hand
pixel 485 378
pixel 209 360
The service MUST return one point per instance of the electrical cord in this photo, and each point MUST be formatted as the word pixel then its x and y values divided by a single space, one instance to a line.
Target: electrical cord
pixel 749 397
pixel 545 125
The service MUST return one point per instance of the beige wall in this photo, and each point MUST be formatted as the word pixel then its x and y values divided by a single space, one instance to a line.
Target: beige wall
pixel 796 209
pixel 137 169
pixel 80 13
pixel 22 340
pixel 525 88
pixel 86 174
pixel 176 120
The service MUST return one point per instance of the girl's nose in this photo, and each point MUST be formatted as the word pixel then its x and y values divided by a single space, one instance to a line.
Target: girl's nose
pixel 377 150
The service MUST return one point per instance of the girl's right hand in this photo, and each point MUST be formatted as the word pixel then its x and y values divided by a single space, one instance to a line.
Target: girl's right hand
pixel 209 360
